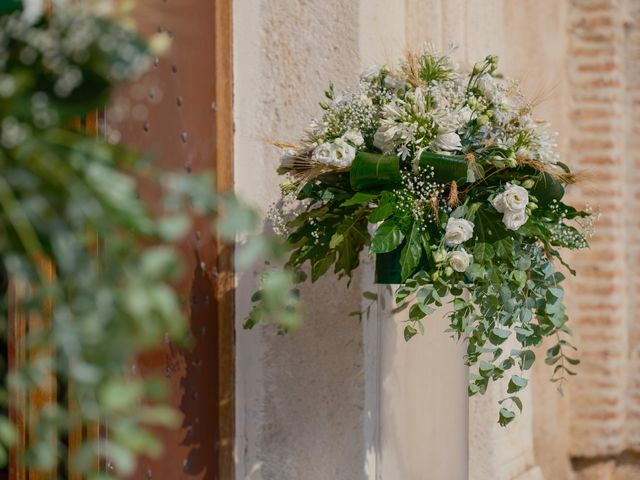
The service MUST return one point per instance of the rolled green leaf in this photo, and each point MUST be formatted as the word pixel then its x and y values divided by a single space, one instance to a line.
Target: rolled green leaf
pixel 374 171
pixel 447 168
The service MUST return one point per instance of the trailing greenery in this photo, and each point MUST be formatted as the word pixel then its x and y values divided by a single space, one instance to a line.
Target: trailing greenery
pixel 70 202
pixel 462 190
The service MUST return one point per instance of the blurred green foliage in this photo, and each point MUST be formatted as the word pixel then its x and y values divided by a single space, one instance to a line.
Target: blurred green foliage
pixel 65 196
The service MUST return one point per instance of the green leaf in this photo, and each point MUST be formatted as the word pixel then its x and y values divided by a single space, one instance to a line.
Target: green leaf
pixel 483 252
pixel 527 358
pixel 370 295
pixel 411 253
pixel 516 384
pixel 360 198
pixel 506 417
pixel 409 332
pixel 385 209
pixel 388 237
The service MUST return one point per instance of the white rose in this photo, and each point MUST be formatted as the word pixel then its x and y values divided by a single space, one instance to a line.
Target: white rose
pixel 447 142
pixel 458 230
pixel 343 154
pixel 514 199
pixel 514 220
pixel 323 153
pixel 385 137
pixel 354 136
pixel 370 73
pixel 459 260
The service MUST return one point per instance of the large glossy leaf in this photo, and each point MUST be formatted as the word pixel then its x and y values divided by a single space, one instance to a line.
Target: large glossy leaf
pixel 388 237
pixel 411 253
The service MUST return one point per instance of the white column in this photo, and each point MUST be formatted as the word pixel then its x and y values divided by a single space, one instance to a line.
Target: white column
pixel 423 406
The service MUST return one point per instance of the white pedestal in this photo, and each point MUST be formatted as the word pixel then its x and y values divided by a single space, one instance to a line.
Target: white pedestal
pixel 422 410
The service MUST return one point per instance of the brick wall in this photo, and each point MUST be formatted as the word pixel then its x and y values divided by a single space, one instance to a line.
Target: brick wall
pixel 603 67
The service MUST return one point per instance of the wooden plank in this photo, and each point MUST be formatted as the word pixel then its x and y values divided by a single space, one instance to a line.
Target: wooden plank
pixel 44 393
pixel 225 292
pixel 18 397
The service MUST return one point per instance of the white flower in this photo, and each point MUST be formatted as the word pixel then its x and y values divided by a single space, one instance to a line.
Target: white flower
pixel 514 220
pixel 458 230
pixel 32 10
pixel 323 153
pixel 354 136
pixel 465 114
pixel 446 142
pixel 385 137
pixel 514 199
pixel 459 260
pixel 370 73
pixel 343 154
pixel 489 88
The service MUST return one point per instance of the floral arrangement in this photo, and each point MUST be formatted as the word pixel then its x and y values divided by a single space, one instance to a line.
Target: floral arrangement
pixel 447 178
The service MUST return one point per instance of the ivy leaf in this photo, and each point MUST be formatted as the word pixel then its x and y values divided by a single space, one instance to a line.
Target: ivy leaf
pixel 387 238
pixel 411 253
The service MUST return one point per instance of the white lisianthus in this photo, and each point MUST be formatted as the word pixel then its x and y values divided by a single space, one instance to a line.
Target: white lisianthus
pixel 370 73
pixel 459 260
pixel 354 136
pixel 447 142
pixel 385 138
pixel 457 231
pixel 343 154
pixel 514 220
pixel 323 153
pixel 514 199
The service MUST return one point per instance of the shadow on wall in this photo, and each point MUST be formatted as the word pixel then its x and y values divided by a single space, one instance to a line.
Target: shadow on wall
pixel 301 394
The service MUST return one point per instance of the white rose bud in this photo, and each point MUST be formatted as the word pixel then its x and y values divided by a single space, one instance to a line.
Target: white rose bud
pixel 514 220
pixel 458 230
pixel 459 260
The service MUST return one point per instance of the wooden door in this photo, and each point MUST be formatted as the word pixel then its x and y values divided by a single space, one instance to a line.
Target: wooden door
pixel 181 114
